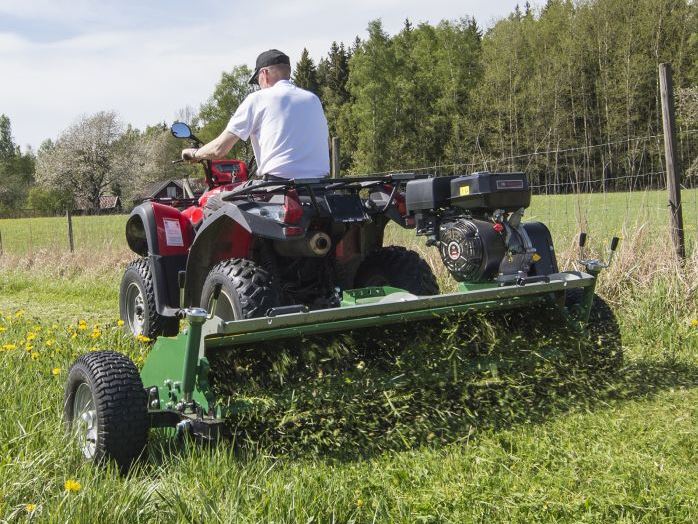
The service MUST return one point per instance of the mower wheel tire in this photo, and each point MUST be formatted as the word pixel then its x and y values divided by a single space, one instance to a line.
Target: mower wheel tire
pixel 105 408
pixel 603 328
pixel 247 290
pixel 397 267
pixel 137 303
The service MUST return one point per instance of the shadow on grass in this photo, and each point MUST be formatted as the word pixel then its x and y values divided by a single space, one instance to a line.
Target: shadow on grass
pixel 352 397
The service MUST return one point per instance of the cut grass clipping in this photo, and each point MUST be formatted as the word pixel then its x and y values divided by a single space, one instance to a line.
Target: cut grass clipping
pixel 363 393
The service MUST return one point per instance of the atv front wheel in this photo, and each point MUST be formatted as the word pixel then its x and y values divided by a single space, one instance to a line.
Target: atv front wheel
pixel 397 267
pixel 137 303
pixel 105 408
pixel 247 290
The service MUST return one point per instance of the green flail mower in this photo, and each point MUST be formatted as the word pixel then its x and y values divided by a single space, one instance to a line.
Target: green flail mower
pixel 500 262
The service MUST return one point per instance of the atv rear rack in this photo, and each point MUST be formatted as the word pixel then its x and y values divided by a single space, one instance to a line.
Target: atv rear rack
pixel 272 186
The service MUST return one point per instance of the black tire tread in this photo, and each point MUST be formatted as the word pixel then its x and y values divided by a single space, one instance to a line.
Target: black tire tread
pixel 253 285
pixel 156 324
pixel 401 267
pixel 120 402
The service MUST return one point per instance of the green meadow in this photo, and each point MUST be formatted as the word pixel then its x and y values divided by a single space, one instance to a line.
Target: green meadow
pixel 527 438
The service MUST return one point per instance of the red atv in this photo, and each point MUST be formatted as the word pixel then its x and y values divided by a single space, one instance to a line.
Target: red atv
pixel 269 247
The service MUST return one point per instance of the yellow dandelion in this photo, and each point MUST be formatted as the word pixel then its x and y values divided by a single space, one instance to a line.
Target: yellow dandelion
pixel 34 355
pixel 359 503
pixel 82 327
pixel 31 336
pixel 142 338
pixel 28 347
pixel 54 326
pixel 49 343
pixel 120 323
pixel 694 322
pixel 19 313
pixel 2 329
pixel 72 486
pixel 9 347
pixel 56 371
pixel 30 508
pixel 96 333
pixel 74 335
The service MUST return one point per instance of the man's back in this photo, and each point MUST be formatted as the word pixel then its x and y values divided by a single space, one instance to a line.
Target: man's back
pixel 288 131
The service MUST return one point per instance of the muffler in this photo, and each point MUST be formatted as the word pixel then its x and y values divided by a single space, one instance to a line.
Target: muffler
pixel 314 244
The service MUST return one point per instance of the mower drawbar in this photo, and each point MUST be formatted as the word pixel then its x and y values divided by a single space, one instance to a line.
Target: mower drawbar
pixel 176 372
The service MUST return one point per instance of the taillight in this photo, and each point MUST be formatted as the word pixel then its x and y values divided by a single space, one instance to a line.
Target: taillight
pixel 292 212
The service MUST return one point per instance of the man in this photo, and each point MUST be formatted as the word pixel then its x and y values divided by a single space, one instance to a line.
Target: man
pixel 286 125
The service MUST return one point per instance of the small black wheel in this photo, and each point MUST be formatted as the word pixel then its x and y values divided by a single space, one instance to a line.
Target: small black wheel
pixel 247 291
pixel 603 329
pixel 137 303
pixel 397 267
pixel 105 408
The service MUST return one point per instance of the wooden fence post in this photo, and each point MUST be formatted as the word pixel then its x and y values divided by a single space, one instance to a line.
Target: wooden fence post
pixel 69 216
pixel 334 164
pixel 673 167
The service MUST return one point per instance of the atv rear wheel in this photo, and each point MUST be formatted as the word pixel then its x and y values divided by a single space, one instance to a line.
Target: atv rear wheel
pixel 105 408
pixel 137 303
pixel 397 267
pixel 603 329
pixel 247 290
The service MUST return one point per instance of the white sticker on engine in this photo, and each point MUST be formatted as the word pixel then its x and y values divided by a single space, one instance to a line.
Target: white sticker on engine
pixel 173 232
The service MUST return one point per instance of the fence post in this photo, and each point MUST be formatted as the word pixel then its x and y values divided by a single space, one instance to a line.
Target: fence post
pixel 673 167
pixel 0 243
pixel 335 157
pixel 69 216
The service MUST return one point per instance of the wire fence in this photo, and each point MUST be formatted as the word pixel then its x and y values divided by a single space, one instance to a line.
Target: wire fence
pixel 617 187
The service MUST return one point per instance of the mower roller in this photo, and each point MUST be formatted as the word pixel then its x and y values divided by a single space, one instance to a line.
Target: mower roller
pixel 272 261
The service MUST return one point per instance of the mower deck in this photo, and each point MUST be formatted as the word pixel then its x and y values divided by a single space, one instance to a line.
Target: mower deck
pixel 176 371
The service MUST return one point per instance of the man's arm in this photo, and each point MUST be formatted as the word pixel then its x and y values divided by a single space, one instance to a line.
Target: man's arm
pixel 215 149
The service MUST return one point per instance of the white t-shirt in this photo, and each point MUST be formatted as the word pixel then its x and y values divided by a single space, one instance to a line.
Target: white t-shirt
pixel 288 130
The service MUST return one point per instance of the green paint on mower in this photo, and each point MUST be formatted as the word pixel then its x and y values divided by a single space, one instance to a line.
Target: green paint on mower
pixel 176 372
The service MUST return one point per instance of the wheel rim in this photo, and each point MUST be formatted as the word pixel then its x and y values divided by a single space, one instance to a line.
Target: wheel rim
pixel 135 309
pixel 224 307
pixel 85 424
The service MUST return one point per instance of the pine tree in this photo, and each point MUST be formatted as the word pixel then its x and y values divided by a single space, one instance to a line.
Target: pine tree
pixel 305 75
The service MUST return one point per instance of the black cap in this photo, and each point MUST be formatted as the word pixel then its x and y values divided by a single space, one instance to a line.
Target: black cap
pixel 269 58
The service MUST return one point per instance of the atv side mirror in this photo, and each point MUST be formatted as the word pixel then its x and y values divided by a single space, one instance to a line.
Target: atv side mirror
pixel 181 130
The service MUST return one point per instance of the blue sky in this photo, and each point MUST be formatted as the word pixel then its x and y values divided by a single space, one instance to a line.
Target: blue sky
pixel 148 59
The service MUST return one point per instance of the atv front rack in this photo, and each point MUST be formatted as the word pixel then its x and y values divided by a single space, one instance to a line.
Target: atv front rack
pixel 176 371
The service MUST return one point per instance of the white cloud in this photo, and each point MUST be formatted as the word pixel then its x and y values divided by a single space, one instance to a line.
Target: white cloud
pixel 147 71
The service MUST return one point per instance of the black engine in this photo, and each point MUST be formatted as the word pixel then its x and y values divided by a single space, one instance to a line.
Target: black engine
pixel 475 221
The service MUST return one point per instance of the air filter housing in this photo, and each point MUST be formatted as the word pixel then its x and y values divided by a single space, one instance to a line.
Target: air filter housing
pixel 490 191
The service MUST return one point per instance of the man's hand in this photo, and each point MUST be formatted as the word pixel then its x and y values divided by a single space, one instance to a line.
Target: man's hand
pixel 188 154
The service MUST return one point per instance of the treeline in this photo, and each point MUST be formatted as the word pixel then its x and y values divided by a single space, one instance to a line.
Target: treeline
pixel 562 92
pixel 571 75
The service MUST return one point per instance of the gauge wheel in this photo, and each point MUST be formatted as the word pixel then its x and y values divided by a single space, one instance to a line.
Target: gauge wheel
pixel 105 408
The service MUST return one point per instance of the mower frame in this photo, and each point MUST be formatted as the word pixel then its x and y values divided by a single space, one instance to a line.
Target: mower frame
pixel 176 372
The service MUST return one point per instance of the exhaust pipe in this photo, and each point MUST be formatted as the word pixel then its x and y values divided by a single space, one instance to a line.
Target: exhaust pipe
pixel 315 244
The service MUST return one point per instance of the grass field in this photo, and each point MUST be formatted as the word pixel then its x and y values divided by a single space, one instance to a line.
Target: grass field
pixel 601 214
pixel 555 442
